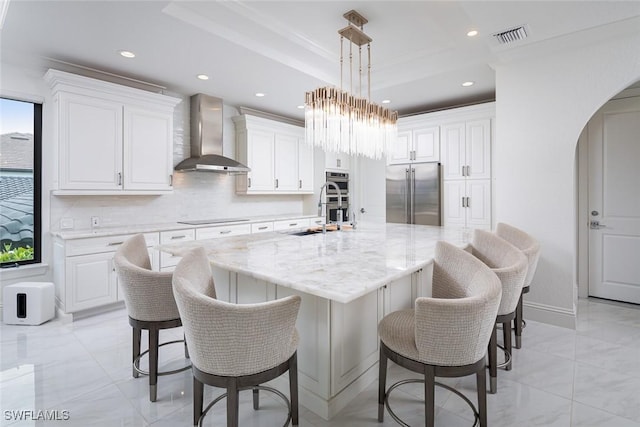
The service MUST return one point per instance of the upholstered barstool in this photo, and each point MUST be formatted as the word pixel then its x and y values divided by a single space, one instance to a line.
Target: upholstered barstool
pixel 148 296
pixel 234 346
pixel 531 249
pixel 510 265
pixel 446 335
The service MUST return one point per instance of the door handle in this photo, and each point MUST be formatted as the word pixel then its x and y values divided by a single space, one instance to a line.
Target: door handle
pixel 595 225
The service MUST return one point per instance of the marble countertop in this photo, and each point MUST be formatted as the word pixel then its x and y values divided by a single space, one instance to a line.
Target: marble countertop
pixel 150 228
pixel 340 265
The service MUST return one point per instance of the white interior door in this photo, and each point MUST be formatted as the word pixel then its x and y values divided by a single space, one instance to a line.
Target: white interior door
pixel 614 201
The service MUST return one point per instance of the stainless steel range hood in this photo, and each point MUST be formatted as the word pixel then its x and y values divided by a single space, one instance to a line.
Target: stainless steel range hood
pixel 206 138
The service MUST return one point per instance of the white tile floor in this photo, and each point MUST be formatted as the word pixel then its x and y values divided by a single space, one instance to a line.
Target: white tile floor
pixel 561 377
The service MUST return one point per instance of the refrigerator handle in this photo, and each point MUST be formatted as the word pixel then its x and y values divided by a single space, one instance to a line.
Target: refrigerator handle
pixel 413 195
pixel 407 205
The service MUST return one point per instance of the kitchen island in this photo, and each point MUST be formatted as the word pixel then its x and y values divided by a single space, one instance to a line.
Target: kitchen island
pixel 348 281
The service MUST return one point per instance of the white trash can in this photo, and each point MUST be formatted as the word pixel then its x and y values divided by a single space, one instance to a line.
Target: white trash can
pixel 28 303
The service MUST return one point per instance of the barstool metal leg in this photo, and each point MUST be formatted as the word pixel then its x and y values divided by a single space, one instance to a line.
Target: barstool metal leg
pixel 198 396
pixel 232 404
pixel 429 396
pixel 493 361
pixel 481 384
pixel 293 388
pixel 256 399
pixel 506 329
pixel 382 383
pixel 137 337
pixel 518 323
pixel 154 335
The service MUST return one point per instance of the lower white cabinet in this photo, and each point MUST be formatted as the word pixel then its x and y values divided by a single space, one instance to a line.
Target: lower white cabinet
pixel 84 272
pixel 291 224
pixel 168 262
pixel 467 203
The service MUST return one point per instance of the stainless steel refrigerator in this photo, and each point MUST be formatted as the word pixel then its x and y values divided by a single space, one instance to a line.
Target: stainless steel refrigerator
pixel 413 193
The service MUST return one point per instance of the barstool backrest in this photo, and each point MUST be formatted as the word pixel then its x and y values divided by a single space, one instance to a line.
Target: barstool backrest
pixel 523 241
pixel 453 328
pixel 227 339
pixel 507 261
pixel 147 294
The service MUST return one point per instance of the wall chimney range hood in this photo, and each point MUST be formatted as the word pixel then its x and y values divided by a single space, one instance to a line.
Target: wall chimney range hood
pixel 206 138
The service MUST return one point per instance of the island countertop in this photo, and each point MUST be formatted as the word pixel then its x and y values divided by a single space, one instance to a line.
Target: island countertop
pixel 339 265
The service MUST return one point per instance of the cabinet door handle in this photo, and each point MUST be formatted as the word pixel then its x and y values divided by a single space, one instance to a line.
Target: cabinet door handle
pixel 263 228
pixel 463 202
pixel 119 178
pixel 468 170
pixel 293 224
pixel 225 232
pixel 249 183
pixel 276 182
pixel 299 184
pixel 468 205
pixel 114 243
pixel 170 180
pixel 178 237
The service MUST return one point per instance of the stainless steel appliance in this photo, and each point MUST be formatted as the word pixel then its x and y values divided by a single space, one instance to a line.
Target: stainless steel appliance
pixel 413 193
pixel 341 179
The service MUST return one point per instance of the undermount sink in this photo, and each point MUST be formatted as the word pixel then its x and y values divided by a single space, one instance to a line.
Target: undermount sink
pixel 309 232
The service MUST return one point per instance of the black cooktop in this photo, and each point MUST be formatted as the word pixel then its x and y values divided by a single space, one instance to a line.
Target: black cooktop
pixel 212 221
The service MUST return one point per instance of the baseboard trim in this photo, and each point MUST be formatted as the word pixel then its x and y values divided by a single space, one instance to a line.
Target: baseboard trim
pixel 550 314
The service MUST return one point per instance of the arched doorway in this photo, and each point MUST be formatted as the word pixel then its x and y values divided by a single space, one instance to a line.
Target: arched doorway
pixel 608 155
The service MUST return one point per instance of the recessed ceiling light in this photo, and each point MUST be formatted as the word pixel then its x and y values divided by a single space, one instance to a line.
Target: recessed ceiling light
pixel 127 54
pixel 203 77
pixel 472 33
pixel 301 107
pixel 259 94
pixel 386 101
pixel 467 84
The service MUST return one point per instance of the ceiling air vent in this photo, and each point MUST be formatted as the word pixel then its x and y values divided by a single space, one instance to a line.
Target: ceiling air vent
pixel 512 35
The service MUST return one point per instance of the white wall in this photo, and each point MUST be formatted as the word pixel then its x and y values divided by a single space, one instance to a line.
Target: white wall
pixel 542 105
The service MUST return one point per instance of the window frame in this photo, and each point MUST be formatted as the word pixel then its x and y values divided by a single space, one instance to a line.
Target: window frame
pixel 37 184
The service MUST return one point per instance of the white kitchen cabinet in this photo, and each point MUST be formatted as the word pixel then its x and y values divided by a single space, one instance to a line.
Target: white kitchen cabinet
pixel 415 143
pixel 291 224
pixel 111 139
pixel 279 159
pixel 467 203
pixel 84 272
pixel 466 150
pixel 168 262
pixel 261 227
pixel 305 167
pixel 222 231
pixel 337 161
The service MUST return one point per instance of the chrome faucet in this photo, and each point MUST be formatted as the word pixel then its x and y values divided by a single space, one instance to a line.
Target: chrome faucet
pixel 339 212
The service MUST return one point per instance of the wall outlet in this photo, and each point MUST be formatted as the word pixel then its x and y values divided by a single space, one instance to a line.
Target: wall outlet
pixel 95 221
pixel 66 224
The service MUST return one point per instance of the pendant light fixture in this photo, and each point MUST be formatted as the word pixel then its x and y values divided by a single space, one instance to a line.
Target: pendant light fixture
pixel 340 121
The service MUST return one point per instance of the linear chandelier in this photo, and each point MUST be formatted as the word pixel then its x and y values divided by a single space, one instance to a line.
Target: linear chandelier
pixel 339 121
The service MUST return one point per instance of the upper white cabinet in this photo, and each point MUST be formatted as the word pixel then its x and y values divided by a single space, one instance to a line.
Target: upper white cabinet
pixel 416 142
pixel 111 139
pixel 280 161
pixel 466 150
pixel 337 161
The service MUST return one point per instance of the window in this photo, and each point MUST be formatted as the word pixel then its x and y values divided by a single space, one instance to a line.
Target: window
pixel 20 182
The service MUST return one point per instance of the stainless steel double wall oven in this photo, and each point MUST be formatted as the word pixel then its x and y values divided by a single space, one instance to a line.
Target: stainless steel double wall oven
pixel 342 181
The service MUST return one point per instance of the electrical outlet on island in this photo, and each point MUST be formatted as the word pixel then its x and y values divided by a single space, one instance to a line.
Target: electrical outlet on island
pixel 95 221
